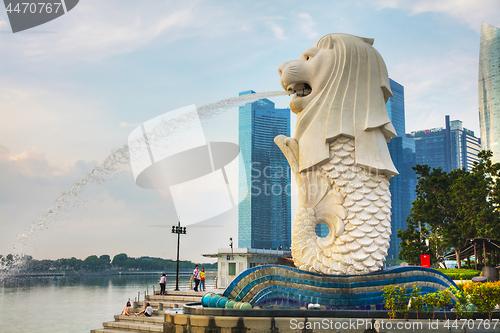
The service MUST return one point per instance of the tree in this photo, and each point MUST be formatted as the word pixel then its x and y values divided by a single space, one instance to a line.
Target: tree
pixel 120 260
pixel 458 205
pixel 104 261
pixel 413 241
pixel 91 262
pixel 438 248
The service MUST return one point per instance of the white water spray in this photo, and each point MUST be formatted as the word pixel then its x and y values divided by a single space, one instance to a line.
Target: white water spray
pixel 120 158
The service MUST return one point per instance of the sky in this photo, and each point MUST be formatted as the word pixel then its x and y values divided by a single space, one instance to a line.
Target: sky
pixel 73 89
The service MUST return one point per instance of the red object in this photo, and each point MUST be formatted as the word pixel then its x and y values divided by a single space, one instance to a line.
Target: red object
pixel 425 260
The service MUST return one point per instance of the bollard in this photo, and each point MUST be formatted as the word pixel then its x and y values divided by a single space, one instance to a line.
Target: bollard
pixel 134 305
pixel 138 296
pixel 191 283
pixel 154 292
pixel 160 306
pixel 147 290
pixel 215 282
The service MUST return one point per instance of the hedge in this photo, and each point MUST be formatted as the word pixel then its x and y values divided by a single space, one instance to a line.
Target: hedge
pixel 460 274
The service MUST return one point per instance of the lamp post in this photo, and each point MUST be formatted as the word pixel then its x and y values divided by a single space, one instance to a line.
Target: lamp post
pixel 178 230
pixel 231 244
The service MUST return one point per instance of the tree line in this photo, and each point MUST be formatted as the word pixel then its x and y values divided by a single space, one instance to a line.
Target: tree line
pixel 450 208
pixel 94 263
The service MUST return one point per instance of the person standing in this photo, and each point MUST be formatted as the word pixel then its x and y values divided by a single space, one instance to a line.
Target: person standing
pixel 202 279
pixel 163 283
pixel 196 277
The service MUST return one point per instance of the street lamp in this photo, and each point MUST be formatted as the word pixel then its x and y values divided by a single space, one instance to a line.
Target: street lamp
pixel 231 244
pixel 177 229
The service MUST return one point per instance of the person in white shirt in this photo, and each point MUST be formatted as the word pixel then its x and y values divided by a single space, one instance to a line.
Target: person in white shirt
pixel 148 311
pixel 163 283
pixel 196 276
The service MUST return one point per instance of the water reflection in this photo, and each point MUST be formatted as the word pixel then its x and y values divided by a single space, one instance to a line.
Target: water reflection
pixel 73 303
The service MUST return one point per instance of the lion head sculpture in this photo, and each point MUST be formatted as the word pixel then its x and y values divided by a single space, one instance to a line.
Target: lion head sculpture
pixel 341 87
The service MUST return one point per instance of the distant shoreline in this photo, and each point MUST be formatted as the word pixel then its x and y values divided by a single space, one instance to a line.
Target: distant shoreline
pixel 90 273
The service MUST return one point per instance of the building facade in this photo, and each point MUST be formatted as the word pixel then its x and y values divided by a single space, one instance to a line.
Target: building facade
pixel 264 216
pixel 451 147
pixel 402 151
pixel 232 262
pixel 489 89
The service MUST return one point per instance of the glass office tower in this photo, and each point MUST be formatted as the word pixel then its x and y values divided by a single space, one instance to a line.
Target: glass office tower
pixel 402 151
pixel 451 147
pixel 489 89
pixel 264 218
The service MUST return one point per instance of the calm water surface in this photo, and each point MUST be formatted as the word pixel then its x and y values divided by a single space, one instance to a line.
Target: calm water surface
pixel 72 304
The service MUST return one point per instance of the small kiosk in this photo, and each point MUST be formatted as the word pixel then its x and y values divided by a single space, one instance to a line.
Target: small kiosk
pixel 232 262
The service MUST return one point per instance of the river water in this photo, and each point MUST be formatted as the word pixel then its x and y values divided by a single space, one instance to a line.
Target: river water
pixel 73 304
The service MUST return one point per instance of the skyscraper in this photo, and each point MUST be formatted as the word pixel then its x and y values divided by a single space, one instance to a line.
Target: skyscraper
pixel 489 89
pixel 402 151
pixel 464 146
pixel 264 216
pixel 451 147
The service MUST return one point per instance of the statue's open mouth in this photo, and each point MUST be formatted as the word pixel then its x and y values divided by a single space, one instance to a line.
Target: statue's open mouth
pixel 301 89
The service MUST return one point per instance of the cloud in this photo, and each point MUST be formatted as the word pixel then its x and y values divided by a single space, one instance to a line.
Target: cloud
pixel 277 31
pixel 442 84
pixel 50 116
pixel 307 25
pixel 469 12
pixel 108 216
pixel 98 29
pixel 3 24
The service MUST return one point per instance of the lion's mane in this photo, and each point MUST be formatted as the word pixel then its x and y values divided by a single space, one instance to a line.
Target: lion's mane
pixel 352 104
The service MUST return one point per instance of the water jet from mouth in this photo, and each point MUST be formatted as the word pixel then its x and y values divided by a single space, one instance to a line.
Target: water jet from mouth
pixel 118 161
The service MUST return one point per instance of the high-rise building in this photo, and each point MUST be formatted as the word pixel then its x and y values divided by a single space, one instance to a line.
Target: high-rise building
pixel 451 147
pixel 464 146
pixel 489 89
pixel 264 217
pixel 402 151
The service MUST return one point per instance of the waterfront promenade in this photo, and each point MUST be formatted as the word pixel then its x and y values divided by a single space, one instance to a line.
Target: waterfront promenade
pixel 170 317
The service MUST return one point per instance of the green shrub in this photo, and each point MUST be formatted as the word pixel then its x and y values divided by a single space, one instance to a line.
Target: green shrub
pixel 445 300
pixel 395 300
pixel 416 299
pixel 462 304
pixel 484 296
pixel 431 300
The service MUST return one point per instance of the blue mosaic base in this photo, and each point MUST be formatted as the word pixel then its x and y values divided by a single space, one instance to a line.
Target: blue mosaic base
pixel 288 287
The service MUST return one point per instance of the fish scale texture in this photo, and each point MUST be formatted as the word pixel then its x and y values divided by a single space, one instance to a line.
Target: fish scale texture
pixel 357 210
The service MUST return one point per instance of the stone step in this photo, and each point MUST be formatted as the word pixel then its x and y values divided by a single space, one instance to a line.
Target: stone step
pixel 191 292
pixel 166 305
pixel 131 325
pixel 110 330
pixel 155 320
pixel 156 312
pixel 175 299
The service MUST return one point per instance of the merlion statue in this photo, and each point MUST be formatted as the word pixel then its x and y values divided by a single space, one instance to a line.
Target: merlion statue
pixel 339 155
